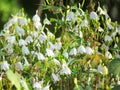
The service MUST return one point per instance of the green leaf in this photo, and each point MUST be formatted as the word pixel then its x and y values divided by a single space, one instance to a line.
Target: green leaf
pixel 116 88
pixel 14 78
pixel 114 67
pixel 88 88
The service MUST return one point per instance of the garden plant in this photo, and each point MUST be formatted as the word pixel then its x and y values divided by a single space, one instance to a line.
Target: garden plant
pixel 84 56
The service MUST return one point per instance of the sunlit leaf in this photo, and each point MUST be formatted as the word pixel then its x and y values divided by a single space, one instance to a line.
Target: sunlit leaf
pixel 14 78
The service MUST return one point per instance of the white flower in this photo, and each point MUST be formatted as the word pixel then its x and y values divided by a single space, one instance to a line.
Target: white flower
pixel 42 38
pixel 19 66
pixel 100 68
pixel 4 66
pixel 70 17
pixel 20 31
pixel 22 21
pixel 52 46
pixel 81 49
pixel 46 21
pixel 34 34
pixel 38 25
pixel 40 56
pixel 46 87
pixel 10 23
pixel 109 25
pixel 89 51
pixel 49 52
pixel 22 42
pixel 25 50
pixel 56 61
pixel 100 29
pixel 93 15
pixel 84 23
pixel 108 55
pixel 36 18
pixel 114 34
pixel 58 45
pixel 55 77
pixel 108 38
pixel 37 85
pixel 65 54
pixel 11 39
pixel 9 48
pixel 65 69
pixel 73 52
pixel 102 12
pixel 28 39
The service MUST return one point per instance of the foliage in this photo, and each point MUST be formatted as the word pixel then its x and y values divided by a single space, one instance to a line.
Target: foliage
pixel 7 7
pixel 80 59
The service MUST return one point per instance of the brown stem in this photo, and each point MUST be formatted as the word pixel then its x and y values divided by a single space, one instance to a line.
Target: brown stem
pixel 39 8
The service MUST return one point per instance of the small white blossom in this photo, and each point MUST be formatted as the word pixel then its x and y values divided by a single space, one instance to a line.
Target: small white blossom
pixel 109 25
pixel 81 49
pixel 36 18
pixel 4 66
pixel 108 38
pixel 46 87
pixel 108 55
pixel 9 48
pixel 38 25
pixel 46 21
pixel 73 52
pixel 37 85
pixel 65 54
pixel 65 69
pixel 19 66
pixel 55 77
pixel 84 23
pixel 25 50
pixel 89 51
pixel 56 61
pixel 100 68
pixel 114 34
pixel 20 31
pixel 40 56
pixel 49 52
pixel 52 46
pixel 28 39
pixel 12 21
pixel 11 39
pixel 22 21
pixel 102 12
pixel 58 45
pixel 22 42
pixel 42 38
pixel 93 15
pixel 100 29
pixel 34 34
pixel 70 17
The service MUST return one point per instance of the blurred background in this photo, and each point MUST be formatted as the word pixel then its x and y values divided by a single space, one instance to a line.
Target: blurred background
pixel 11 7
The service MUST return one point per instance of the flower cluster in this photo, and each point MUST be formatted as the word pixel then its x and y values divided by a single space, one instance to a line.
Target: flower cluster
pixel 83 50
